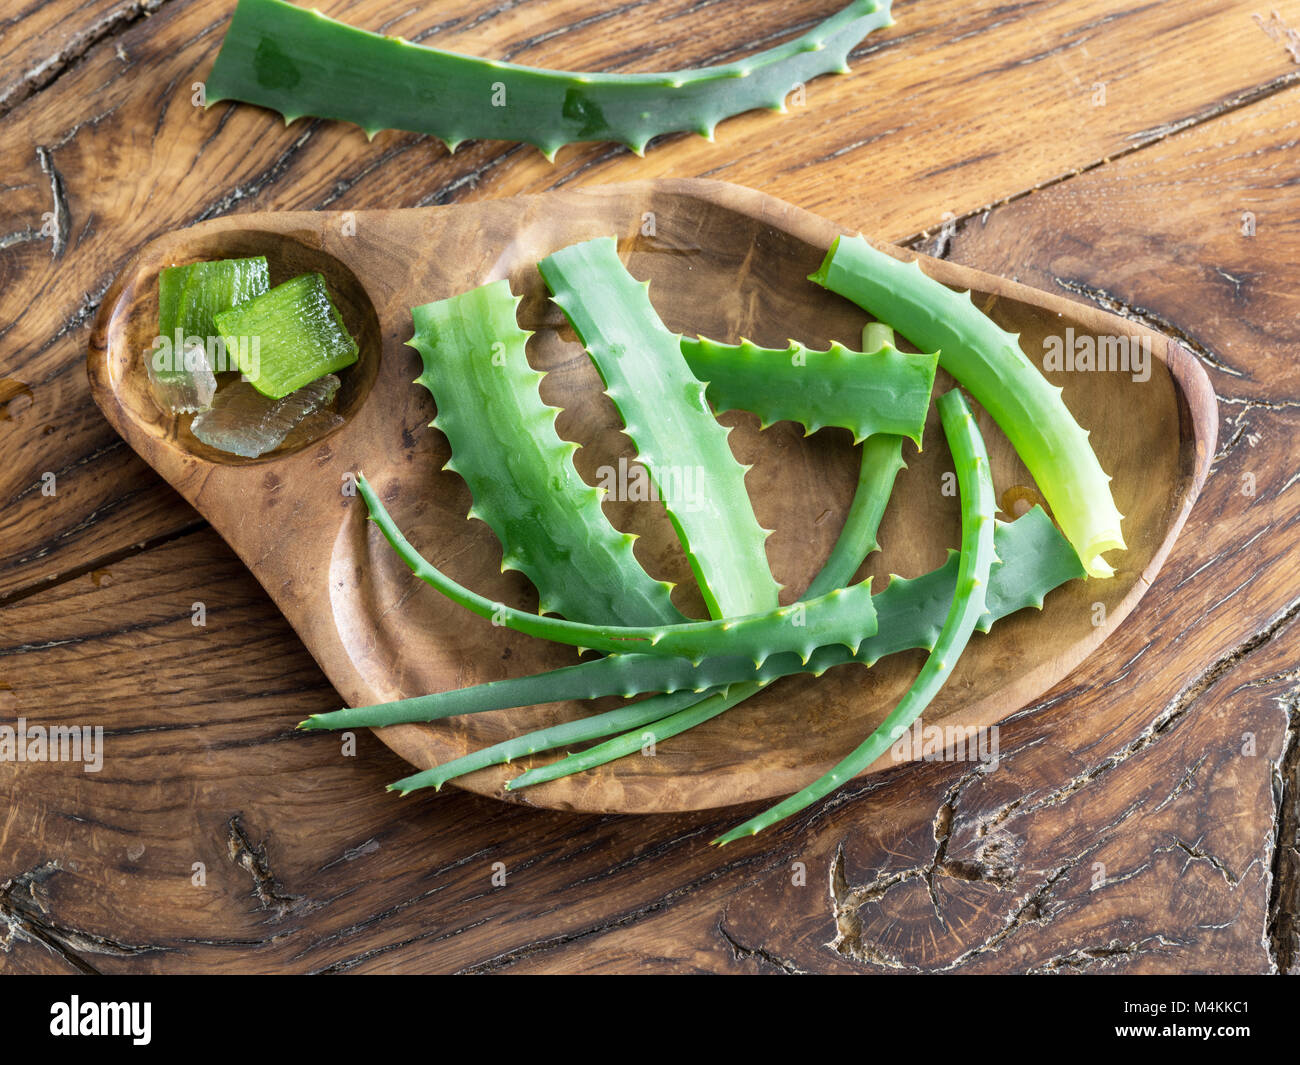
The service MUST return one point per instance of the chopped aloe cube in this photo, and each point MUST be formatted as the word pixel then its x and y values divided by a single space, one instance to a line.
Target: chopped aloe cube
pixel 190 296
pixel 287 337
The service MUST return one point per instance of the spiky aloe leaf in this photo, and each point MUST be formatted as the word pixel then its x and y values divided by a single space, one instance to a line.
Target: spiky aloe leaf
pixel 677 438
pixel 299 62
pixel 989 363
pixel 883 391
pixel 844 616
pixel 521 474
pixel 1034 559
pixel 978 505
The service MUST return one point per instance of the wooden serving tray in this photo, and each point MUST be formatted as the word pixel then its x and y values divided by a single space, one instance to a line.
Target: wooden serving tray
pixel 725 262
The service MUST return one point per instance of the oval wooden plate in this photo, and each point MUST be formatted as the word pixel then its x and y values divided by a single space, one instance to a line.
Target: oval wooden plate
pixel 725 262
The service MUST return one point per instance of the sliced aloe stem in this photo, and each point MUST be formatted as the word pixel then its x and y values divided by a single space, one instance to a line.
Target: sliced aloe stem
pixel 989 363
pixel 678 440
pixel 521 474
pixel 880 390
pixel 299 62
pixel 978 505
pixel 1034 558
pixel 288 337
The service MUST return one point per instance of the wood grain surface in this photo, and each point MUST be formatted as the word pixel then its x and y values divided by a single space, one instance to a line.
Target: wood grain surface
pixel 1138 158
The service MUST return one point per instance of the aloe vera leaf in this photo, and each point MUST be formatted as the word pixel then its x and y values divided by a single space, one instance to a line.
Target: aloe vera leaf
pixel 288 336
pixel 881 460
pixel 1037 559
pixel 300 63
pixel 212 287
pixel 677 438
pixel 881 391
pixel 978 504
pixel 845 616
pixel 520 473
pixel 1034 558
pixel 659 729
pixel 568 732
pixel 989 363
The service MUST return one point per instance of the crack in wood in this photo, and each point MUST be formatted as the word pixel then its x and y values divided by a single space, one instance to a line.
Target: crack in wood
pixel 1082 958
pixel 1282 928
pixel 251 857
pixel 61 216
pixel 1148 318
pixel 25 917
pixel 740 952
pixel 1174 711
pixel 50 69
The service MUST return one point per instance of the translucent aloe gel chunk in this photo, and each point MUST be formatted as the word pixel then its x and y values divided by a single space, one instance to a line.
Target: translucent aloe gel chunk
pixel 288 337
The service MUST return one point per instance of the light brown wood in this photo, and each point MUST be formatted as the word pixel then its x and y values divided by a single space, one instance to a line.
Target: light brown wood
pixel 725 262
pixel 1136 759
pixel 134 159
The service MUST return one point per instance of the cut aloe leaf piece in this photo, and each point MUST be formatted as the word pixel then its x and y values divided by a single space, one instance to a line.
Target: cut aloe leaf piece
pixel 244 422
pixel 190 297
pixel 287 337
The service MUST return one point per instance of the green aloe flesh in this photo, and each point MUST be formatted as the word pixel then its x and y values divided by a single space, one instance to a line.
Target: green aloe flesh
pixel 519 471
pixel 978 505
pixel 882 458
pixel 288 336
pixel 678 440
pixel 298 62
pixel 882 391
pixel 845 616
pixel 190 297
pixel 989 363
pixel 675 712
pixel 1034 559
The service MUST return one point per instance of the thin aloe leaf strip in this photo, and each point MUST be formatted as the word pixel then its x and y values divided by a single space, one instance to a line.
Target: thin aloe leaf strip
pixel 1034 560
pixel 520 473
pixel 881 461
pixel 882 391
pixel 716 704
pixel 678 440
pixel 882 458
pixel 298 62
pixel 845 615
pixel 978 505
pixel 988 361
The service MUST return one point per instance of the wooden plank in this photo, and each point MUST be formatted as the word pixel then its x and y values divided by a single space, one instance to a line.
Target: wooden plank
pixel 41 41
pixel 116 157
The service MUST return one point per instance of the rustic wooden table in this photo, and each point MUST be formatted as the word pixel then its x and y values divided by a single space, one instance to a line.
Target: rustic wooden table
pixel 1140 156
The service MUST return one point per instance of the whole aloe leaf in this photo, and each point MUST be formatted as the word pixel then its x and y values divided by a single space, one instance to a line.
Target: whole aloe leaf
pixel 844 616
pixel 299 62
pixel 1034 559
